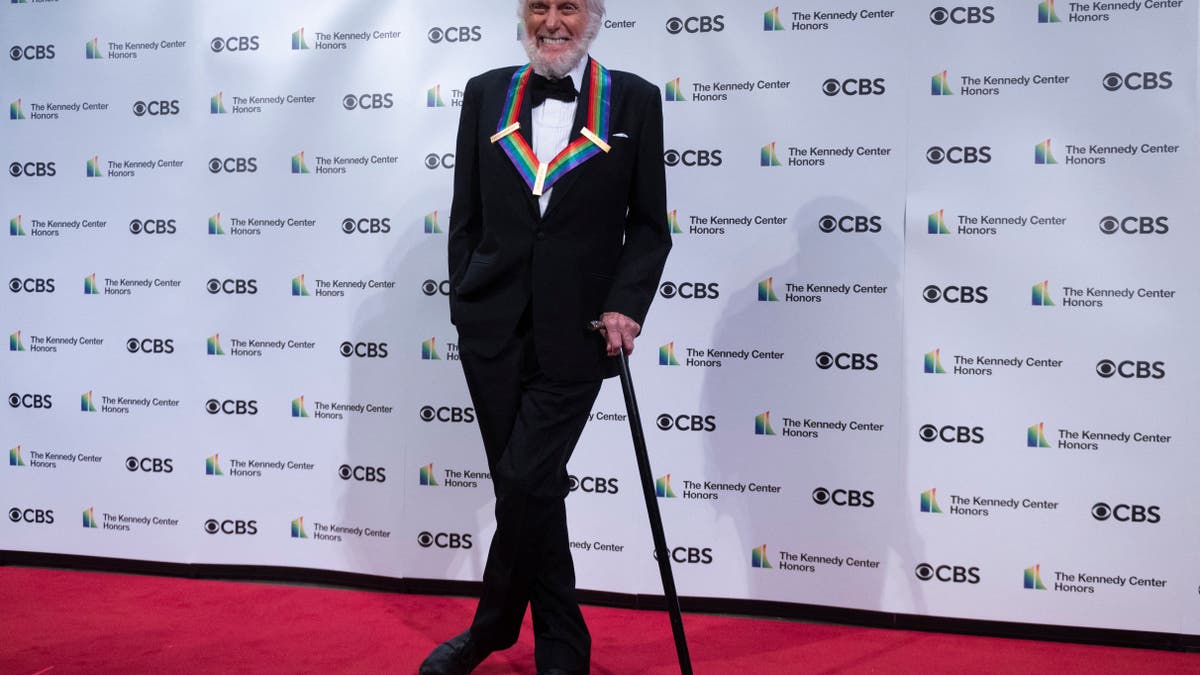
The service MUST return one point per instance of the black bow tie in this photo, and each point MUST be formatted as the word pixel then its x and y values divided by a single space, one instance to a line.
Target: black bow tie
pixel 541 88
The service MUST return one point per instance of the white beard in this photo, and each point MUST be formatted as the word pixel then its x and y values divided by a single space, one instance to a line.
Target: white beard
pixel 560 66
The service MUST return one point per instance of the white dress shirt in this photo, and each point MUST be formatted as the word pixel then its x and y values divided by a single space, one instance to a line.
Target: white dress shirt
pixel 552 122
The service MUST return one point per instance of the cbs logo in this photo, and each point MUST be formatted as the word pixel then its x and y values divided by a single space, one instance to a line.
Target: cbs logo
pixel 959 154
pixel 452 414
pixel 233 165
pixel 431 287
pixel 434 161
pixel 854 86
pixel 240 43
pixel 232 286
pixel 231 407
pixel 368 474
pixel 31 285
pixel 149 465
pixel 950 434
pixel 696 24
pixel 690 290
pixel 38 516
pixel 367 101
pixel 152 226
pixel 32 169
pixel 1137 81
pixel 860 498
pixel 956 574
pixel 229 526
pixel 156 108
pixel 365 350
pixel 1132 370
pixel 367 225
pixel 690 555
pixel 961 15
pixel 847 361
pixel 674 157
pixel 955 294
pixel 850 224
pixel 444 540
pixel 1134 225
pixel 667 422
pixel 31 52
pixel 34 401
pixel 594 485
pixel 455 34
pixel 1126 513
pixel 150 346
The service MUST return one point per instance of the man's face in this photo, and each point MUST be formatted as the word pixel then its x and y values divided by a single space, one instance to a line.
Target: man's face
pixel 556 34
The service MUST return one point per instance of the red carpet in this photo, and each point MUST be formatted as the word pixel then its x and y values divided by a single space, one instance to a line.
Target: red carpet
pixel 59 622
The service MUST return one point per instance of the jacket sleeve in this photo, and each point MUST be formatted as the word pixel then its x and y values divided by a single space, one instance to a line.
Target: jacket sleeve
pixel 647 235
pixel 466 218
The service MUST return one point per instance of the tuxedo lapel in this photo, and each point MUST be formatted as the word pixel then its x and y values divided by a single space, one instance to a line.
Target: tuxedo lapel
pixel 525 117
pixel 562 185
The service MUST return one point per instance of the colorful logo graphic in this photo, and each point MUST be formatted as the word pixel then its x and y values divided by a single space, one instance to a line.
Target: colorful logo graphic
pixel 14 457
pixel 429 350
pixel 93 49
pixel 433 97
pixel 768 157
pixel 298 409
pixel 758 557
pixel 89 285
pixel 14 342
pixel 937 222
pixel 929 502
pixel 427 476
pixel 762 425
pixel 1046 13
pixel 1042 153
pixel 662 487
pixel 217 105
pixel 1036 436
pixel 1041 295
pixel 298 164
pixel 673 221
pixel 941 84
pixel 14 110
pixel 214 224
pixel 15 228
pixel 933 363
pixel 431 224
pixel 666 355
pixel 89 517
pixel 93 167
pixel 214 346
pixel 674 91
pixel 771 20
pixel 298 287
pixel 298 41
pixel 1033 578
pixel 212 466
pixel 85 402
pixel 766 290
pixel 298 524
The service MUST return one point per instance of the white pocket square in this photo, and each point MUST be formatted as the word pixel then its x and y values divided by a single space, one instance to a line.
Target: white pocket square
pixel 620 134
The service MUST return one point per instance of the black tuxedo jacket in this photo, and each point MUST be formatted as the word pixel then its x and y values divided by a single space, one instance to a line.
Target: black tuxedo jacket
pixel 600 247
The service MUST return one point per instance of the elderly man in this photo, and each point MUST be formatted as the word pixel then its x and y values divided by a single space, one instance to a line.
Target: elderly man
pixel 558 218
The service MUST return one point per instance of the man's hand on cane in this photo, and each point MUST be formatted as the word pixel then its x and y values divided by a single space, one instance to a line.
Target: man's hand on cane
pixel 619 331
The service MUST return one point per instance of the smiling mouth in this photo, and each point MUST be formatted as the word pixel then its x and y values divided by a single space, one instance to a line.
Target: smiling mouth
pixel 553 40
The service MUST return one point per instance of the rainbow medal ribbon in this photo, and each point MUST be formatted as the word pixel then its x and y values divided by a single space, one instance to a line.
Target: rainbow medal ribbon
pixel 541 176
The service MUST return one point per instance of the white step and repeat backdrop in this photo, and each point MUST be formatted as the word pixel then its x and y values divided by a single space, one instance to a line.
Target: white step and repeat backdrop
pixel 925 343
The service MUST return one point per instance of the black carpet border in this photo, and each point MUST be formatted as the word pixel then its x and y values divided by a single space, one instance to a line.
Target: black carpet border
pixel 750 608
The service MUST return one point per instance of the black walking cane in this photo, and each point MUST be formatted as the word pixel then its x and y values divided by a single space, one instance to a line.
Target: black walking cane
pixel 656 526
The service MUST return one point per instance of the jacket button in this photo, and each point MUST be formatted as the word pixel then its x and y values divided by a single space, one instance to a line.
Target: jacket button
pixel 540 234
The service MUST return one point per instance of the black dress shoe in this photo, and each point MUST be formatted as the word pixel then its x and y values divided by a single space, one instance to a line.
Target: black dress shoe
pixel 456 656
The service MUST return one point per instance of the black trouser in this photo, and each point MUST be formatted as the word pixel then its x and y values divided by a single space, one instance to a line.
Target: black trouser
pixel 530 425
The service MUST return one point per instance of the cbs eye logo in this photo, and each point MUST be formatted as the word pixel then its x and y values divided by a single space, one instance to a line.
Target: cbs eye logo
pixel 696 24
pixel 940 16
pixel 1126 513
pixel 434 161
pixel 1137 81
pixel 955 294
pixel 431 287
pixel 1135 225
pixel 1132 370
pixel 964 154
